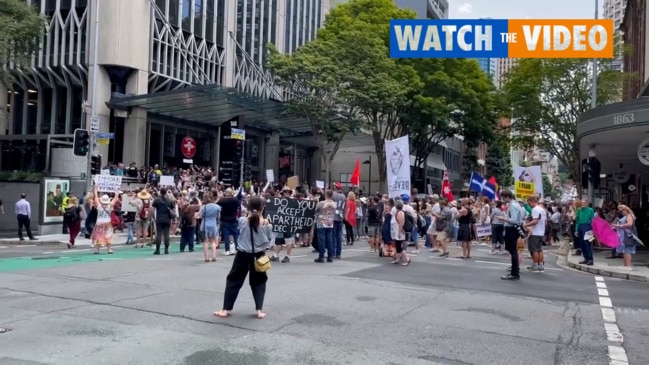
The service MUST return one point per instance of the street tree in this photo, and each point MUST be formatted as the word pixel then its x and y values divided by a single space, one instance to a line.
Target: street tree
pixel 498 161
pixel 379 87
pixel 21 29
pixel 310 76
pixel 547 96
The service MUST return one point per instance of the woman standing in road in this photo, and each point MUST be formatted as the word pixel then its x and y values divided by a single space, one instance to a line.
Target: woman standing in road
pixel 102 234
pixel 255 234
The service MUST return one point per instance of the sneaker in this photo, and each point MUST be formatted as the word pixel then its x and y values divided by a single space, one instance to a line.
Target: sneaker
pixel 540 268
pixel 286 259
pixel 274 258
pixel 534 267
pixel 229 253
pixel 414 252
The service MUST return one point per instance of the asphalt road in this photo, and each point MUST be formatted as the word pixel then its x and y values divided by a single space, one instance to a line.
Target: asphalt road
pixel 136 308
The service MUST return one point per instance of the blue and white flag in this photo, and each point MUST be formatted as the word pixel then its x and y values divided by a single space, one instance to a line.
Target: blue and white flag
pixel 480 185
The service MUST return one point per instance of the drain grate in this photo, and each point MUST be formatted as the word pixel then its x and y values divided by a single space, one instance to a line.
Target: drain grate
pixel 4 330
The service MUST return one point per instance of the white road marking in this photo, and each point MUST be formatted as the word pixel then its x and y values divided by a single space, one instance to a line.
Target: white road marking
pixel 158 259
pixel 23 246
pixel 507 264
pixel 616 353
pixel 3 246
pixel 47 253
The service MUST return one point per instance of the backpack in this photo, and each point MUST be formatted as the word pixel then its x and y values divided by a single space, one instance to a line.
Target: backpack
pixel 408 222
pixel 374 213
pixel 185 218
pixel 146 209
pixel 71 215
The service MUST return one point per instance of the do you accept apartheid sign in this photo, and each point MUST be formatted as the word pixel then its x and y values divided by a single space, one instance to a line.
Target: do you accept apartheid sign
pixel 290 215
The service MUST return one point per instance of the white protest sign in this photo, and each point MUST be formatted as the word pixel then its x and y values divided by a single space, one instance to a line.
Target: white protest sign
pixel 126 204
pixel 108 183
pixel 105 171
pixel 265 187
pixel 319 184
pixel 484 230
pixel 270 176
pixel 167 181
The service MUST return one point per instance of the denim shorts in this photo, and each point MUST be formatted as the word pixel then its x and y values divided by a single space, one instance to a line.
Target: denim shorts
pixel 629 249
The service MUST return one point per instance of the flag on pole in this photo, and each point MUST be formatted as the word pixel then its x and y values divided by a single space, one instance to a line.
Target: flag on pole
pixel 447 193
pixel 492 180
pixel 480 185
pixel 355 179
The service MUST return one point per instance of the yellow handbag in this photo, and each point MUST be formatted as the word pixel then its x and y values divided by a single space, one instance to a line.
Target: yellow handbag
pixel 262 263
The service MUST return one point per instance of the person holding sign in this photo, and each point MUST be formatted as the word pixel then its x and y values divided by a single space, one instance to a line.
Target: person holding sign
pixel 102 233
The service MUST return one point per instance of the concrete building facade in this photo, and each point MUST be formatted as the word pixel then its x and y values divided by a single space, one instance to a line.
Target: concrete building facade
pixel 152 56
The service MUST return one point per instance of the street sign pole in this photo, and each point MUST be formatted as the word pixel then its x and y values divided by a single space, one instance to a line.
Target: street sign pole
pixel 243 157
pixel 94 120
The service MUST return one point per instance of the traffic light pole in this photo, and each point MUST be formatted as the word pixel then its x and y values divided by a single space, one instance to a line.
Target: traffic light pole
pixel 93 106
pixel 243 157
pixel 593 102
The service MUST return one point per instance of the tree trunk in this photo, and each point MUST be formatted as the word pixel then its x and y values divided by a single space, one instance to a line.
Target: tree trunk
pixel 379 146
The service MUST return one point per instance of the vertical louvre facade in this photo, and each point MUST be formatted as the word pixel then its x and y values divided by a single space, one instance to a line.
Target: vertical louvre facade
pixel 188 43
pixel 635 37
pixel 303 19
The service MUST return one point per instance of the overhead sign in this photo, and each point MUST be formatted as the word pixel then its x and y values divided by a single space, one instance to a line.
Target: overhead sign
pixel 106 135
pixel 103 141
pixel 94 125
pixel 643 152
pixel 238 134
pixel 188 147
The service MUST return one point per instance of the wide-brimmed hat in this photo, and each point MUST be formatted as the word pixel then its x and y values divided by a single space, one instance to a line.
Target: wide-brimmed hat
pixel 104 200
pixel 454 203
pixel 144 195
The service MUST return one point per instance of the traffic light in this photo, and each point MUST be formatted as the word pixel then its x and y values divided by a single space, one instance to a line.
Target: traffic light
pixel 81 142
pixel 95 165
pixel 594 168
pixel 239 150
pixel 247 173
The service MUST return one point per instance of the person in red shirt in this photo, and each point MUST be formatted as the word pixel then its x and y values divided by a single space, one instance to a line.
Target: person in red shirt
pixel 350 217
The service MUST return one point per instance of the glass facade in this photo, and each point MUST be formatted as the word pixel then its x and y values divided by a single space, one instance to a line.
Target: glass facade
pixel 303 19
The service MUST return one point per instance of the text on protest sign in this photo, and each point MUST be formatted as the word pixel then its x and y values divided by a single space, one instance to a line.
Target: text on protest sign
pixel 108 183
pixel 291 215
pixel 483 230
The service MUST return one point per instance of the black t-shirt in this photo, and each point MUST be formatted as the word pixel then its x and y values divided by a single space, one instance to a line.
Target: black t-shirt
pixel 163 208
pixel 229 209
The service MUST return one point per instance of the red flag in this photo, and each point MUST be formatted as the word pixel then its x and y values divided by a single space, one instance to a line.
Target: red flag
pixel 492 180
pixel 355 179
pixel 446 188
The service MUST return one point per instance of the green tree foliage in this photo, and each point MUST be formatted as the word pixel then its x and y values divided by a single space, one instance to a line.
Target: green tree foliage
pixel 548 189
pixel 428 99
pixel 547 96
pixel 469 162
pixel 21 28
pixel 318 90
pixel 498 162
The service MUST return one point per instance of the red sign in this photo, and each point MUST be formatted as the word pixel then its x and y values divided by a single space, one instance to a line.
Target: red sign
pixel 188 147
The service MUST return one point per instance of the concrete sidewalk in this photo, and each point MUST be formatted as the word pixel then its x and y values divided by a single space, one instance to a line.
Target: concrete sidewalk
pixel 613 267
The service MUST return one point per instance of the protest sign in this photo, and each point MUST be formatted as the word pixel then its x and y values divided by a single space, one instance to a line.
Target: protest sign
pixel 484 230
pixel 126 203
pixel 108 183
pixel 291 215
pixel 167 181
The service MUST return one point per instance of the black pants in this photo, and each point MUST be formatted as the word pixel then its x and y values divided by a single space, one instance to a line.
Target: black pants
pixel 24 221
pixel 243 264
pixel 162 228
pixel 349 229
pixel 511 245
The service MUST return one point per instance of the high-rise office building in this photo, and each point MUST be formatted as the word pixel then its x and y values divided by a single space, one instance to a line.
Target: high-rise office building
pixel 503 65
pixel 430 9
pixel 167 69
pixel 614 9
pixel 490 67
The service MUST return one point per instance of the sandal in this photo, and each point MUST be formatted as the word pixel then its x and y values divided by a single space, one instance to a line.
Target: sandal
pixel 207 260
pixel 110 252
pixel 213 259
pixel 221 314
pixel 261 315
pixel 406 263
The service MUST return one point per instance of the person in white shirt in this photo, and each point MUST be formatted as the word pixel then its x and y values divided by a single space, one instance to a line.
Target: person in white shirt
pixel 535 242
pixel 432 232
pixel 23 214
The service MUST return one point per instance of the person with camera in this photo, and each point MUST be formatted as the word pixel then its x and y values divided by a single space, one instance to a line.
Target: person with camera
pixel 513 222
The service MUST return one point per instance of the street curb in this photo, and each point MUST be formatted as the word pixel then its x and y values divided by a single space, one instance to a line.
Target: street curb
pixel 35 243
pixel 603 272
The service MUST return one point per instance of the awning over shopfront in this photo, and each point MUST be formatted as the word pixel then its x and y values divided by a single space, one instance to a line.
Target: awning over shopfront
pixel 434 161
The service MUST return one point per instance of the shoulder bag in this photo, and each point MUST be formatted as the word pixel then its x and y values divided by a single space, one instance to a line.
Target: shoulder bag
pixel 262 263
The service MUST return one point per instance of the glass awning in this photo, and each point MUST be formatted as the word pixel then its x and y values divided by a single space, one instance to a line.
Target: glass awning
pixel 212 105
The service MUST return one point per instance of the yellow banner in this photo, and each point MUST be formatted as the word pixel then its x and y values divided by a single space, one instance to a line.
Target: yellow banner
pixel 524 189
pixel 103 141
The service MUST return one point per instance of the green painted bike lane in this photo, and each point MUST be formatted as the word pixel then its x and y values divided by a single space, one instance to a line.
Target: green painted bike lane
pixel 71 257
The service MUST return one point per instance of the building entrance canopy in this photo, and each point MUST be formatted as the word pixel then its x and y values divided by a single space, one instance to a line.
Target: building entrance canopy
pixel 615 132
pixel 212 105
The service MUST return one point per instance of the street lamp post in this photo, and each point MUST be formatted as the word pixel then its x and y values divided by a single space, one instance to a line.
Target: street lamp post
pixel 369 181
pixel 593 104
pixel 93 107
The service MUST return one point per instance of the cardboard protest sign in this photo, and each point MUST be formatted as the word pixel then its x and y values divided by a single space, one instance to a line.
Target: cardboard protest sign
pixel 290 215
pixel 108 183
pixel 484 230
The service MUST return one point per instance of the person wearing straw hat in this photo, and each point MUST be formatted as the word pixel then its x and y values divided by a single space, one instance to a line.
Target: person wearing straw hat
pixel 143 205
pixel 102 234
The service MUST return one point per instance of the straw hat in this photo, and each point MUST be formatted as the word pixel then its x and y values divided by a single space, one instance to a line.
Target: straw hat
pixel 104 200
pixel 144 195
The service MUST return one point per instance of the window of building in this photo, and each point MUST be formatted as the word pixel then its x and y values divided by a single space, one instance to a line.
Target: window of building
pixel 32 111
pixel 46 123
pixel 173 11
pixel 209 21
pixel 61 111
pixel 187 15
pixel 198 18
pixel 17 111
pixel 36 4
pixel 77 100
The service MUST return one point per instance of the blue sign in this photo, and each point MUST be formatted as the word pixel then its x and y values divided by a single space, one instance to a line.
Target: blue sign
pixel 459 38
pixel 106 135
